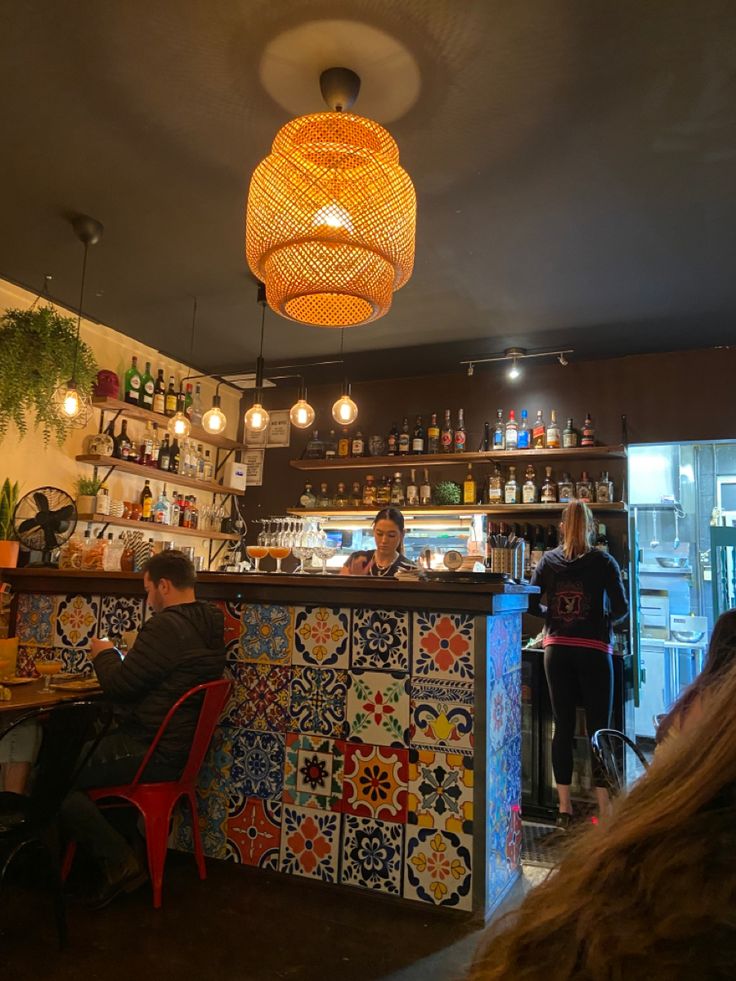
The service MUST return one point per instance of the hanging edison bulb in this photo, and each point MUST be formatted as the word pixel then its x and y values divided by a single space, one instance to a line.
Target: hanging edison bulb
pixel 179 426
pixel 344 410
pixel 214 419
pixel 301 413
pixel 256 418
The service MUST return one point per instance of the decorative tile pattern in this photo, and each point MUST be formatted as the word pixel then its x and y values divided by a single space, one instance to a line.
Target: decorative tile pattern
pixel 504 645
pixel 437 868
pixel 310 842
pixel 318 701
pixel 371 854
pixel 260 698
pixel 314 771
pixel 378 708
pixel 254 833
pixel 119 614
pixel 25 666
pixel 380 639
pixel 441 790
pixel 321 636
pixel 442 715
pixel 257 764
pixel 498 711
pixel 512 681
pixel 232 614
pixel 267 634
pixel 76 620
pixel 443 645
pixel 35 619
pixel 375 782
pixel 75 659
pixel 212 823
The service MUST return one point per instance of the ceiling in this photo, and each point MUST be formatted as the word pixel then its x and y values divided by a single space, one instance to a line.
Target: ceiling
pixel 574 162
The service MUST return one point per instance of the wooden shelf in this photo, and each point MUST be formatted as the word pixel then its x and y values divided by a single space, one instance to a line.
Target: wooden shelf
pixel 146 415
pixel 451 459
pixel 438 510
pixel 152 473
pixel 174 531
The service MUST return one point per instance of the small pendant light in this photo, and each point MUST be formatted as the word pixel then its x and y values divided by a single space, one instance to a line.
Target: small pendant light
pixel 301 413
pixel 257 418
pixel 344 410
pixel 214 419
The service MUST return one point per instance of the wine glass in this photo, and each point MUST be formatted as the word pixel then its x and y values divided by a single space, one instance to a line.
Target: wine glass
pixel 278 552
pixel 47 669
pixel 324 552
pixel 256 552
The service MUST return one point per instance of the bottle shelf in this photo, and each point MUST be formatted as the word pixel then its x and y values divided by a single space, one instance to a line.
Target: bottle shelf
pixel 469 509
pixel 450 459
pixel 146 415
pixel 152 473
pixel 173 530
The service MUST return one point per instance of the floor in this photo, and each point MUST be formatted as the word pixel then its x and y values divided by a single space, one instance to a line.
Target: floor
pixel 242 925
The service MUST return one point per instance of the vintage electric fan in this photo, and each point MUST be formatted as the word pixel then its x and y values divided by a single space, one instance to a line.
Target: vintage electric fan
pixel 43 520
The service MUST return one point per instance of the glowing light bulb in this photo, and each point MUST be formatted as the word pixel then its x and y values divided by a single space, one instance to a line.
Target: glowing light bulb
pixel 256 418
pixel 214 420
pixel 179 425
pixel 301 414
pixel 345 411
pixel 514 371
pixel 70 403
pixel 333 216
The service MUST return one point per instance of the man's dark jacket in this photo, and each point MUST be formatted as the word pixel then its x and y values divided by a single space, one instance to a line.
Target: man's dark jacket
pixel 178 648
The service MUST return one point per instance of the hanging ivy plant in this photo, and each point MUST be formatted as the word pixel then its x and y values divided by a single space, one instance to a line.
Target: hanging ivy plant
pixel 36 356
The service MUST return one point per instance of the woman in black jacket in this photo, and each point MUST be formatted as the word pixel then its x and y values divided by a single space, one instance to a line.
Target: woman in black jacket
pixel 584 597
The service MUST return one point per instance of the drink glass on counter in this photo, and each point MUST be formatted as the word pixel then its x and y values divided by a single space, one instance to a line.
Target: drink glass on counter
pixel 47 669
pixel 278 552
pixel 256 552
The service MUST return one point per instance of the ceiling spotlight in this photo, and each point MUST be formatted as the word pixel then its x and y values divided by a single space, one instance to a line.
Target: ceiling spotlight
pixel 562 359
pixel 514 371
pixel 471 369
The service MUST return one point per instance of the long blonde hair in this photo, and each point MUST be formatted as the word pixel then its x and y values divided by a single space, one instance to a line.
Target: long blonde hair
pixel 578 528
pixel 651 893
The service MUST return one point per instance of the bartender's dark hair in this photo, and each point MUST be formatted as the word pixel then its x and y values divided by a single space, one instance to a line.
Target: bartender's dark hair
pixel 390 514
pixel 172 565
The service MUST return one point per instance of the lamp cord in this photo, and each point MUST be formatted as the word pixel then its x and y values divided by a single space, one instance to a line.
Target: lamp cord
pixel 79 314
pixel 194 321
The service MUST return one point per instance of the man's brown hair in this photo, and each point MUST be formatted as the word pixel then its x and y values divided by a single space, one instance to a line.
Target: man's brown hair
pixel 171 565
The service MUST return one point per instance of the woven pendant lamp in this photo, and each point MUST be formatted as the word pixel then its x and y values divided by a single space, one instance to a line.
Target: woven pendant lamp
pixel 331 216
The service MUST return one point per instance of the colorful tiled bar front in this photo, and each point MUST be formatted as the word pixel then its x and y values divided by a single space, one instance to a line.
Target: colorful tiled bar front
pixel 374 746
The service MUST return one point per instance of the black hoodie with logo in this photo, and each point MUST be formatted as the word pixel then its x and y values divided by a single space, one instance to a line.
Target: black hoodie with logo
pixel 585 597
pixel 178 648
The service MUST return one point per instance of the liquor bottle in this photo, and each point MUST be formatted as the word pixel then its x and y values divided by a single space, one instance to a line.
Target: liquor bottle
pixel 133 383
pixel 200 462
pixel 539 431
pixel 383 492
pixel 418 438
pixel 369 492
pixel 161 510
pixel 529 490
pixel 174 456
pixel 412 490
pixel 188 399
pixel 195 409
pixel 171 398
pixel 193 512
pixel 357 445
pixel 341 495
pixel 181 403
pixel 208 469
pixel 527 552
pixel 499 432
pixel 307 498
pixel 425 490
pixel 447 436
pixel 147 385
pixel 146 501
pixel 549 488
pixel 177 508
pixel 460 434
pixel 495 486
pixel 155 446
pixel 601 539
pixel 433 435
pixel 164 454
pixel 159 393
pixel 397 491
pixel 331 445
pixel 392 441
pixel 537 548
pixel 404 438
pixel 523 439
pixel 550 539
pixel 604 489
pixel 356 496
pixel 146 451
pixel 343 444
pixel 315 448
pixel 570 437
pixel 122 446
pixel 470 488
pixel 553 432
pixel 512 432
pixel 486 444
pixel 588 434
pixel 566 488
pixel 584 487
pixel 323 498
pixel 511 488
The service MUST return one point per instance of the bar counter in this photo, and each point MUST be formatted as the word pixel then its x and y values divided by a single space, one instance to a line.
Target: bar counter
pixel 373 736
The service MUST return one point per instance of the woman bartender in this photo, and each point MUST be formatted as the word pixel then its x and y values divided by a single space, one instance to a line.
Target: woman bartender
pixel 387 558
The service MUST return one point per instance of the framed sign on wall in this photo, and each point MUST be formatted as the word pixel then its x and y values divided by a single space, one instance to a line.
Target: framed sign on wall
pixel 253 460
pixel 279 428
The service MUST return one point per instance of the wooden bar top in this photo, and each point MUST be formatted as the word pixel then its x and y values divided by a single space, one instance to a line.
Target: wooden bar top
pixel 30 696
pixel 333 590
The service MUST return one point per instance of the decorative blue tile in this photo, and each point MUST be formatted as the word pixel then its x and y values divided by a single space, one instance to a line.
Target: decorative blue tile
pixel 442 715
pixel 380 640
pixel 438 867
pixel 504 644
pixel 258 763
pixel 318 701
pixel 321 636
pixel 254 833
pixel 120 614
pixel 444 646
pixel 378 708
pixel 267 634
pixel 76 620
pixel 512 680
pixel 35 619
pixel 310 842
pixel 372 854
pixel 75 659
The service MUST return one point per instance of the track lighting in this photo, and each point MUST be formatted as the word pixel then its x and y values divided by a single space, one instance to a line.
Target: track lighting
pixel 562 359
pixel 516 355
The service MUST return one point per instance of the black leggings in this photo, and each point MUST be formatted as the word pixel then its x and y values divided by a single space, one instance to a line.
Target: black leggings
pixel 573 672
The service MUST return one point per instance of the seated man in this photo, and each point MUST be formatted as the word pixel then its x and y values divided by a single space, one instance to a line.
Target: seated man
pixel 180 647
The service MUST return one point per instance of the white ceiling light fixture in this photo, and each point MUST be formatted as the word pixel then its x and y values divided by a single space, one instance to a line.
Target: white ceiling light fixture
pixel 516 355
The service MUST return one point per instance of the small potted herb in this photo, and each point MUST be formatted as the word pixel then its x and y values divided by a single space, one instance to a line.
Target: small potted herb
pixel 87 489
pixel 8 545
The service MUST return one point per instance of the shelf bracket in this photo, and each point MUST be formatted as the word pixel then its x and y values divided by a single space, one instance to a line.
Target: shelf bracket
pixel 221 463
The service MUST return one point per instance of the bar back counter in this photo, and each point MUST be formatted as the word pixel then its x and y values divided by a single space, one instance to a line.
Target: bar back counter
pixel 373 736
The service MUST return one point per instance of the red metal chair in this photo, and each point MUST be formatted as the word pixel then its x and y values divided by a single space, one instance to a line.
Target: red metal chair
pixel 156 801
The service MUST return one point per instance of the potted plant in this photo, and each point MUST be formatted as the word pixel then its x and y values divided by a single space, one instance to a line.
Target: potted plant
pixel 38 348
pixel 87 489
pixel 8 546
